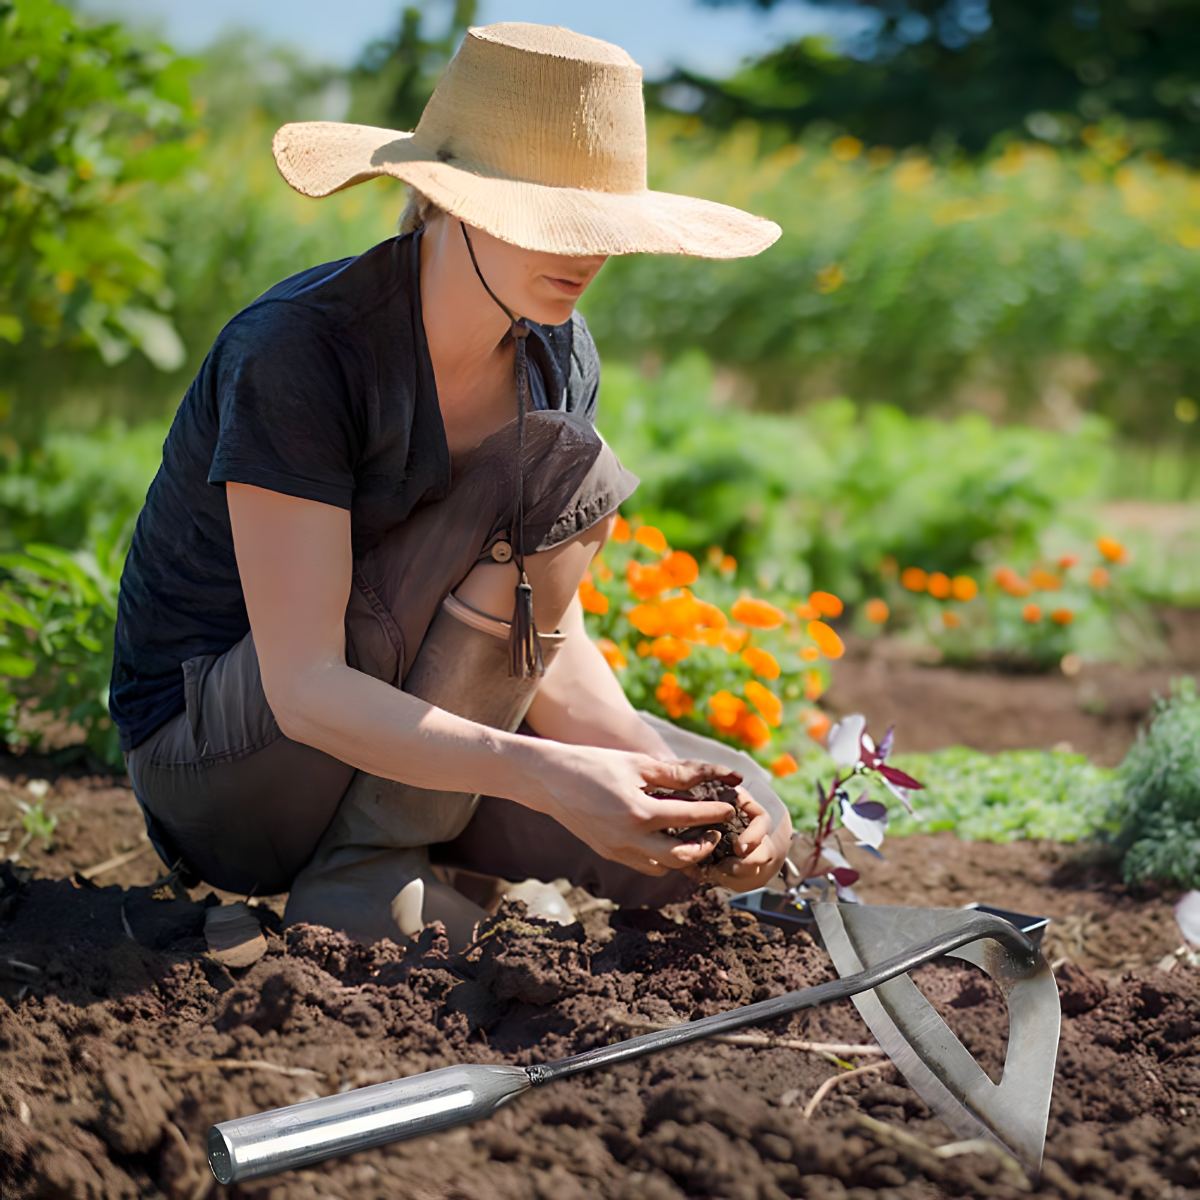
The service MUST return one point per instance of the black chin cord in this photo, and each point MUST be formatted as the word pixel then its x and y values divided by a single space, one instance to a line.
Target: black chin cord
pixel 524 646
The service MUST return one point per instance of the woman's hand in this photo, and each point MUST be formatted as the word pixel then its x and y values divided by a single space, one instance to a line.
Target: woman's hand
pixel 760 849
pixel 599 795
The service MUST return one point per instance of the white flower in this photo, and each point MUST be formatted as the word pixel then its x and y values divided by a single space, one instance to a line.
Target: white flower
pixel 845 740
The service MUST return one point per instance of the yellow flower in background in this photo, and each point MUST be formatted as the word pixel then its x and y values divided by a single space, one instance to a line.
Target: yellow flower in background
pixel 612 654
pixel 845 149
pixel 765 700
pixel 652 538
pixel 830 278
pixel 761 662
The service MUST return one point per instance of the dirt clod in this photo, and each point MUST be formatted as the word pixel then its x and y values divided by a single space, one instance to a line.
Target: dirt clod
pixel 728 830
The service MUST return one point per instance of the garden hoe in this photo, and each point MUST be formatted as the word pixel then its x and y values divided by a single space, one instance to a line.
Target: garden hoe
pixel 862 942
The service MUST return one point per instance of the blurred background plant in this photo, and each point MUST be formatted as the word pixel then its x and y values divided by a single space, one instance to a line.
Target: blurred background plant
pixel 971 352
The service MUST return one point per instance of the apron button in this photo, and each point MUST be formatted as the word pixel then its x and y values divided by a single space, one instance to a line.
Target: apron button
pixel 502 552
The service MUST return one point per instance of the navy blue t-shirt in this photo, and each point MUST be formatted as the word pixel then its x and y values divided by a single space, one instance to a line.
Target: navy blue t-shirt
pixel 323 389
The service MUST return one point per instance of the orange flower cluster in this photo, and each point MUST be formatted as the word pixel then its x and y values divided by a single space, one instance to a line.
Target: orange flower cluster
pixel 769 705
pixel 729 715
pixel 758 614
pixel 877 611
pixel 1009 581
pixel 784 765
pixel 761 662
pixel 938 584
pixel 725 563
pixel 1060 616
pixel 673 698
pixel 592 599
pixel 817 724
pixel 1112 550
pixel 827 640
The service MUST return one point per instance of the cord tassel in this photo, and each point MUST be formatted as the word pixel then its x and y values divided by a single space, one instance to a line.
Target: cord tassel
pixel 524 646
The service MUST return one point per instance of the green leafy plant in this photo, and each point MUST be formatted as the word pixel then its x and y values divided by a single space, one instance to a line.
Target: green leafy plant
pixel 57 616
pixel 1157 806
pixel 37 822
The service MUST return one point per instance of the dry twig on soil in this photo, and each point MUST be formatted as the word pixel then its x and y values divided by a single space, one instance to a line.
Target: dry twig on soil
pixel 235 1064
pixel 830 1084
pixel 118 860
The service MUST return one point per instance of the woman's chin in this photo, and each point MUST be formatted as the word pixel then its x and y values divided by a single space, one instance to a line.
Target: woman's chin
pixel 550 310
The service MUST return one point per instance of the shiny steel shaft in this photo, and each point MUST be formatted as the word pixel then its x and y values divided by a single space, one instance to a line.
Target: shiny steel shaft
pixel 307 1133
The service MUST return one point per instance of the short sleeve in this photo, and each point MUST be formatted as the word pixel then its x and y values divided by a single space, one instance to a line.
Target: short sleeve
pixel 285 405
pixel 583 387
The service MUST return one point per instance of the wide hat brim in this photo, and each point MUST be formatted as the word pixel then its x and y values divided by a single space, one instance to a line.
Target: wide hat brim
pixel 318 158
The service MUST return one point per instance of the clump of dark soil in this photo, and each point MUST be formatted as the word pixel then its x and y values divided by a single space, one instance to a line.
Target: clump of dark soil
pixel 121 1041
pixel 720 790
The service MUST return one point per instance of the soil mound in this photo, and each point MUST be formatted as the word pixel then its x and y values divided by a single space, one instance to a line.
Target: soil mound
pixel 121 1041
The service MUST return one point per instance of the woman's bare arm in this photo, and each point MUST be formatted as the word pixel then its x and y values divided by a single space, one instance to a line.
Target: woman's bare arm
pixel 294 559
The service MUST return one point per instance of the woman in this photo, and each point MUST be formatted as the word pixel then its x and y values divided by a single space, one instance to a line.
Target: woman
pixel 356 571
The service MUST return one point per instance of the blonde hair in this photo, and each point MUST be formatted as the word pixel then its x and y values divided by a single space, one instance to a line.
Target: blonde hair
pixel 419 210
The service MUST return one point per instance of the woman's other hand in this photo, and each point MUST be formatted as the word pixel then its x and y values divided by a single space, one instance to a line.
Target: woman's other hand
pixel 759 850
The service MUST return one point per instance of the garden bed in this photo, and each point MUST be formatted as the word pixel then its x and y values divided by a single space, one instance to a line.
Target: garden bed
pixel 116 1045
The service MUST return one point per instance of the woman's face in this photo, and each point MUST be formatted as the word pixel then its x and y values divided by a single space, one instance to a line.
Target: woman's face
pixel 541 287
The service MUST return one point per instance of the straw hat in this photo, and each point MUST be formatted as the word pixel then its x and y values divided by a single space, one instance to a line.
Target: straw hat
pixel 537 136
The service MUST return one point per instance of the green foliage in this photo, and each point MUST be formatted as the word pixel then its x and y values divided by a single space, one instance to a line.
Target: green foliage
pixel 94 121
pixel 1039 281
pixel 982 797
pixel 821 499
pixel 928 70
pixel 37 822
pixel 57 616
pixel 1157 807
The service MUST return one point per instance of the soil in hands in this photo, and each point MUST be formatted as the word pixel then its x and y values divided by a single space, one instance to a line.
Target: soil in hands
pixel 121 1041
pixel 727 832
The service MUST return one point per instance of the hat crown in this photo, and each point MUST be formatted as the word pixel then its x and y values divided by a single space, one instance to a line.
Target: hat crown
pixel 540 104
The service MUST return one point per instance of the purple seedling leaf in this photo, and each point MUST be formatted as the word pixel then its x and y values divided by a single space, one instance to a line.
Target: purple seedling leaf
pixel 901 794
pixel 885 747
pixel 898 777
pixel 866 819
pixel 845 740
pixel 844 876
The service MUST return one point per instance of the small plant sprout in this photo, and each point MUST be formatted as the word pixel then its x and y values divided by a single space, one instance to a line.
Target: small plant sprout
pixel 855 754
pixel 35 820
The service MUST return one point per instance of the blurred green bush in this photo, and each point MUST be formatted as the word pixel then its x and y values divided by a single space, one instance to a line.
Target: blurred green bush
pixel 1157 806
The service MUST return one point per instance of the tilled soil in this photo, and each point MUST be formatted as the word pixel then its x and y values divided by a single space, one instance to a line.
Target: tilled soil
pixel 121 1041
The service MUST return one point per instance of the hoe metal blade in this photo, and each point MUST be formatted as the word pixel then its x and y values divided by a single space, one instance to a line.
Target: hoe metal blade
pixel 936 1064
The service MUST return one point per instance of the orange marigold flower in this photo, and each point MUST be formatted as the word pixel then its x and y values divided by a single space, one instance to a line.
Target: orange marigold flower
pixel 709 637
pixel 673 698
pixel 964 588
pixel 758 614
pixel 1011 582
pixel 809 653
pixel 648 619
pixel 1044 581
pixel 669 650
pixel 814 685
pixel 951 620
pixel 612 654
pixel 652 538
pixel 826 604
pixel 752 730
pixel 784 765
pixel 645 582
pixel 1099 578
pixel 827 640
pixel 877 611
pixel 1111 549
pixel 681 615
pixel 765 700
pixel 725 709
pixel 938 585
pixel 733 638
pixel 806 611
pixel 816 725
pixel 1032 613
pixel 1062 616
pixel 621 531
pixel 602 569
pixel 1067 561
pixel 914 579
pixel 593 600
pixel 761 662
pixel 680 568
pixel 710 616
pixel 728 564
